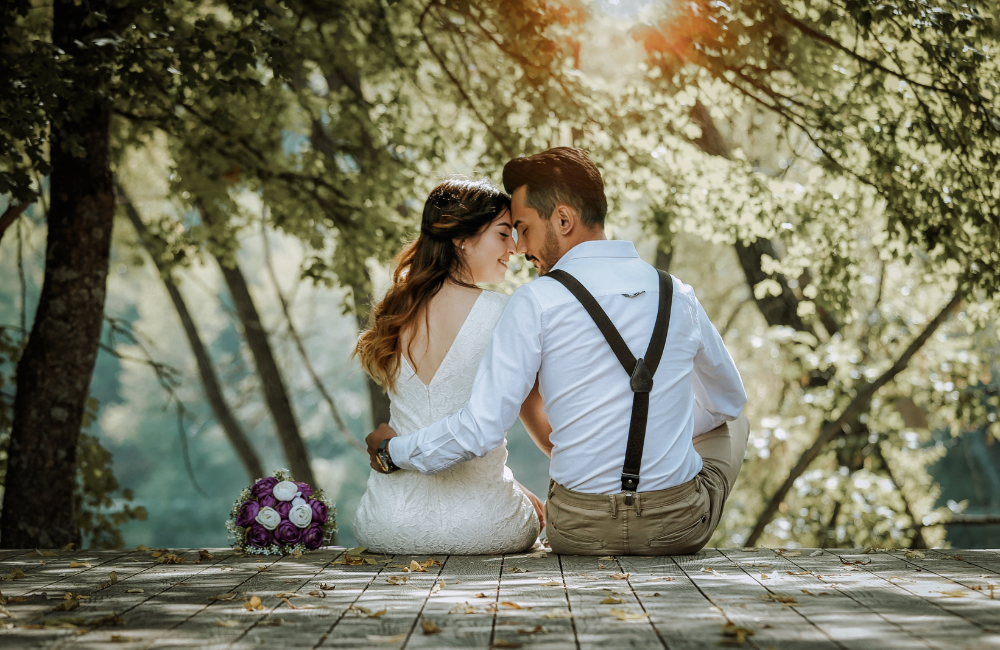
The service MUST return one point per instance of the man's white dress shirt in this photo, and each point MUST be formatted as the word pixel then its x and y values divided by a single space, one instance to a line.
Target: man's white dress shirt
pixel 545 331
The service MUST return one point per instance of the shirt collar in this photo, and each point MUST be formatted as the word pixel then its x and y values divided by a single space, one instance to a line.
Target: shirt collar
pixel 600 248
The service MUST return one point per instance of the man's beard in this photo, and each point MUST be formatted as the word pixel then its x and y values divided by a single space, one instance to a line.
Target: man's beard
pixel 549 254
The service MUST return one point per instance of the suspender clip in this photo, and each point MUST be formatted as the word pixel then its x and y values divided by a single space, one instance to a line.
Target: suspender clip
pixel 629 482
pixel 642 381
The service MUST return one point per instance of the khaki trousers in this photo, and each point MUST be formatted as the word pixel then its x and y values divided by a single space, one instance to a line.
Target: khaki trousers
pixel 676 521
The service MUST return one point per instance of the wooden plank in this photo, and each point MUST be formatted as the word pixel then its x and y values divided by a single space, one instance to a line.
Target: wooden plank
pixel 971 605
pixel 851 623
pixel 737 594
pixel 307 620
pixel 589 581
pixel 464 577
pixel 103 595
pixel 535 582
pixel 40 572
pixel 363 626
pixel 988 561
pixel 884 595
pixel 681 614
pixel 220 623
pixel 155 603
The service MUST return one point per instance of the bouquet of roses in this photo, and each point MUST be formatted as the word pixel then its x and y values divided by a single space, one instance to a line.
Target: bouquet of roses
pixel 277 515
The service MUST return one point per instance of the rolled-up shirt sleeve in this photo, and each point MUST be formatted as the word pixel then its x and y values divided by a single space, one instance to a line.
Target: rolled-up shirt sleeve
pixel 719 395
pixel 505 377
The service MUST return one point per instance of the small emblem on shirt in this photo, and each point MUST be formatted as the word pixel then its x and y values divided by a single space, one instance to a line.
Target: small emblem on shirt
pixel 633 295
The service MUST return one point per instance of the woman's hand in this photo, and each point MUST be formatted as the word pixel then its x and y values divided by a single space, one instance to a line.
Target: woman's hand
pixel 537 503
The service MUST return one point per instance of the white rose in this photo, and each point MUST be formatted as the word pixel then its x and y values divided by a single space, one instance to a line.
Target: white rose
pixel 301 515
pixel 298 501
pixel 285 491
pixel 268 518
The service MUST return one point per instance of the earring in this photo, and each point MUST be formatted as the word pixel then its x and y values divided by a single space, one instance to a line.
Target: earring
pixel 463 247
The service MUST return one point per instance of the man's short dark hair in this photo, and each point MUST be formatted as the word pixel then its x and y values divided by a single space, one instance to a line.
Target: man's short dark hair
pixel 560 175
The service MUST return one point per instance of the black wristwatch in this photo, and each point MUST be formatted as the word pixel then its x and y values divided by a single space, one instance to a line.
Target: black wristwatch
pixel 384 459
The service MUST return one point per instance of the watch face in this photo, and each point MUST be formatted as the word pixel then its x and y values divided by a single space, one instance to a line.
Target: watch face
pixel 381 462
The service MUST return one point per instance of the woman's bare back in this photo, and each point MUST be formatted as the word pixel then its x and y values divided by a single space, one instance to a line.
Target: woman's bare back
pixel 427 342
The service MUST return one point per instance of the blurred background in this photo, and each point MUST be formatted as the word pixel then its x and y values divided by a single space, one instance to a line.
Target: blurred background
pixel 834 207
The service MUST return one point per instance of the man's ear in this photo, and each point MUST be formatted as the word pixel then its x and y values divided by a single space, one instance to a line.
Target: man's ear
pixel 565 219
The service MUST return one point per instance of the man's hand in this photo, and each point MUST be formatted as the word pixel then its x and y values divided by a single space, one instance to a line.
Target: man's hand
pixel 384 432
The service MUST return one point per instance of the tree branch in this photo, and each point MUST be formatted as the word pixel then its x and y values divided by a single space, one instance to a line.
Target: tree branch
pixel 10 215
pixel 828 432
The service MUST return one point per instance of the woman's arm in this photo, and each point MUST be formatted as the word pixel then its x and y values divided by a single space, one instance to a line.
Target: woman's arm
pixel 535 421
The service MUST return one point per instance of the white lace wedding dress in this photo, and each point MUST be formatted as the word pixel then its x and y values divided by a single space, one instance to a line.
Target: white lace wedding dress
pixel 472 508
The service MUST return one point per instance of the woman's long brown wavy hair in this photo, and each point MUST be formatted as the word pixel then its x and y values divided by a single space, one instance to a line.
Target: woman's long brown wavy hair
pixel 456 209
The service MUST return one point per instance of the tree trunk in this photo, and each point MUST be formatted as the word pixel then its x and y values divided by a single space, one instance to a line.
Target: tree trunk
pixel 11 214
pixel 275 393
pixel 53 376
pixel 209 380
pixel 777 310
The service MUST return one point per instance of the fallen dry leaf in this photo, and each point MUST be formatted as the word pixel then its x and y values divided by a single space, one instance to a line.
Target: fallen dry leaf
pixel 957 593
pixel 818 593
pixel 503 643
pixel 232 595
pixel 707 569
pixel 816 553
pixel 552 583
pixel 76 565
pixel 170 558
pixel 113 577
pixel 538 629
pixel 429 627
pixel 367 613
pixel 625 615
pixel 462 608
pixel 735 634
pixel 253 604
pixel 326 587
pixel 800 573
pixel 611 600
pixel 557 613
pixel 510 605
pixel 397 580
pixel 438 586
pixel 782 552
pixel 480 595
pixel 396 638
pixel 270 621
pixel 121 638
pixel 914 555
pixel 515 569
pixel 619 576
pixel 142 548
pixel 69 547
pixel 780 598
pixel 416 567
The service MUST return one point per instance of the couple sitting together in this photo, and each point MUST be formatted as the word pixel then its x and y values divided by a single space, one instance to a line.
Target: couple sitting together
pixel 613 367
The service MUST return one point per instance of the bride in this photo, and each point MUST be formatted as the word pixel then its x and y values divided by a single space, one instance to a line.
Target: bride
pixel 424 345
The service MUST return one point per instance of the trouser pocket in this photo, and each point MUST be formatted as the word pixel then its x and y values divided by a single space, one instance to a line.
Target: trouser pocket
pixel 573 530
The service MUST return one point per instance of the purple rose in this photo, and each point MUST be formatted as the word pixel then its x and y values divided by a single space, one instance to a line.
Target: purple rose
pixel 304 488
pixel 312 537
pixel 268 501
pixel 264 486
pixel 320 511
pixel 248 512
pixel 287 533
pixel 283 507
pixel 258 536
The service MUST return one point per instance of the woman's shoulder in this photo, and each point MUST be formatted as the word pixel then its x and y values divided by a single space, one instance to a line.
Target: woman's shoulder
pixel 495 300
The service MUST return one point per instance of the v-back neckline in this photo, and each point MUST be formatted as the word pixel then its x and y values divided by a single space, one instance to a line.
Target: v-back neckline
pixel 450 348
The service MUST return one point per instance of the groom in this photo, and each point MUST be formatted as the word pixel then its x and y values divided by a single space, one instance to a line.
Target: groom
pixel 589 334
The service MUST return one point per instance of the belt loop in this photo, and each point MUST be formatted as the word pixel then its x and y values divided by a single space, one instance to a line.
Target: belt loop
pixel 614 506
pixel 638 505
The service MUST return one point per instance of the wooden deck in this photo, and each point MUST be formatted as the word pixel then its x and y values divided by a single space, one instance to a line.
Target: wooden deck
pixel 754 598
